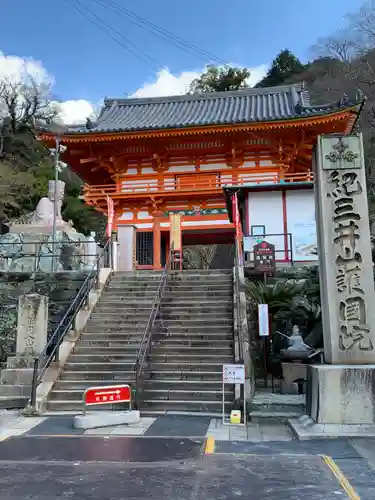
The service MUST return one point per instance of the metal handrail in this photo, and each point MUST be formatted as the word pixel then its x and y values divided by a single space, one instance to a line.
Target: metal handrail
pixel 238 304
pixel 144 347
pixel 52 348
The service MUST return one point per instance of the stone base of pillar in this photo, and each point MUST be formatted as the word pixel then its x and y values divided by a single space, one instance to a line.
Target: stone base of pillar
pixel 340 402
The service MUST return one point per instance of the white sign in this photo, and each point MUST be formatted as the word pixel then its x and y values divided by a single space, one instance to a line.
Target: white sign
pixel 263 320
pixel 233 374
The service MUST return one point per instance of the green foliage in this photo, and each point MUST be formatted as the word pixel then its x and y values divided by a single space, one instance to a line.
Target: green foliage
pixel 283 67
pixel 290 301
pixel 220 79
pixel 25 170
pixel 278 296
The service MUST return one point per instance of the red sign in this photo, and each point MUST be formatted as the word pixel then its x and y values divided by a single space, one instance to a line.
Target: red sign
pixel 107 395
pixel 264 257
pixel 111 215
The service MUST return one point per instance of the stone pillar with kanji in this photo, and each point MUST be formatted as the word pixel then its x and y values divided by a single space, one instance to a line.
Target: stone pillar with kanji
pixel 342 391
pixel 345 260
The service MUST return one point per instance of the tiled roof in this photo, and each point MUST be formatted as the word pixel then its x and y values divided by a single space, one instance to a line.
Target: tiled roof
pixel 218 108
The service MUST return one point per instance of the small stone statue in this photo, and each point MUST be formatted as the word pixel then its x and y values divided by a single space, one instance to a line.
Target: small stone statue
pixel 296 342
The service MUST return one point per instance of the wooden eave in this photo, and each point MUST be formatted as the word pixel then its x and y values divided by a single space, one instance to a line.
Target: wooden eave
pixel 349 114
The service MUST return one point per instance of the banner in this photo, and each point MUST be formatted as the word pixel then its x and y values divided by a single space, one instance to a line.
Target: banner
pixel 110 215
pixel 237 225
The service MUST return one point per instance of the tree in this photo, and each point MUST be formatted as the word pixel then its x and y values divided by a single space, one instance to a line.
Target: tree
pixel 220 79
pixel 26 165
pixel 283 67
pixel 25 101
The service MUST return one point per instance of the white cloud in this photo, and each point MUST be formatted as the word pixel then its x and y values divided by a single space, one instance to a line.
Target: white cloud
pixel 168 84
pixel 18 70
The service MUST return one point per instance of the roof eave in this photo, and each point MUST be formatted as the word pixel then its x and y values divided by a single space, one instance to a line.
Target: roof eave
pixel 118 134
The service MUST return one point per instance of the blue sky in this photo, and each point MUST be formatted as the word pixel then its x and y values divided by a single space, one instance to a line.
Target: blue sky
pixel 88 64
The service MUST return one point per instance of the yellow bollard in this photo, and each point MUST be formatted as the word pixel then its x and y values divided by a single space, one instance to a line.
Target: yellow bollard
pixel 235 417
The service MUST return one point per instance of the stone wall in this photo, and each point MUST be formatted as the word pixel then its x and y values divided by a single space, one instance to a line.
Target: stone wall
pixel 61 288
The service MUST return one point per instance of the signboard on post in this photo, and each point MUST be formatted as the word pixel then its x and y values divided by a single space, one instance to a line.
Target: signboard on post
pixel 106 395
pixel 263 320
pixel 264 257
pixel 234 374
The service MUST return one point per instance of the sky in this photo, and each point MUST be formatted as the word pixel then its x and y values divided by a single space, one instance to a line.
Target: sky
pixel 55 41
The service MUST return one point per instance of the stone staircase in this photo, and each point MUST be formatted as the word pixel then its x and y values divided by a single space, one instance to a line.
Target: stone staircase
pixel 106 351
pixel 193 337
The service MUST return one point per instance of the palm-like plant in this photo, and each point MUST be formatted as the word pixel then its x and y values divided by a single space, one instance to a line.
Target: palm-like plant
pixel 278 296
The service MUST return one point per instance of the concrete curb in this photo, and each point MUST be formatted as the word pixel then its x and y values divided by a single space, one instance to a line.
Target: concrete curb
pixel 106 419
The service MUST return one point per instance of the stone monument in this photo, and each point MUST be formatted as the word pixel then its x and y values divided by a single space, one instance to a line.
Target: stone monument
pixel 41 220
pixel 343 390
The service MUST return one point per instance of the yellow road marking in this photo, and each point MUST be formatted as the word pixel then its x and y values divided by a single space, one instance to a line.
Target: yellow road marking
pixel 210 446
pixel 344 483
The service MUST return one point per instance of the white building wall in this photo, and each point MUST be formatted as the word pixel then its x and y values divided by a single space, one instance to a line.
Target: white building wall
pixel 265 208
pixel 301 222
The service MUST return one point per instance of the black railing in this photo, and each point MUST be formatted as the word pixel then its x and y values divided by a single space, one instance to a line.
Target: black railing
pixel 144 350
pixel 237 290
pixel 51 351
pixel 283 246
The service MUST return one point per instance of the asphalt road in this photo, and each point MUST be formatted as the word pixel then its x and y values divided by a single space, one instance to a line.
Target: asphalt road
pixel 109 468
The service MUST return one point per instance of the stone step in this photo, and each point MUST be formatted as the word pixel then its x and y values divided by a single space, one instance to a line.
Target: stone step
pixel 180 286
pixel 163 406
pixel 185 366
pixel 132 329
pixel 267 405
pixel 175 334
pixel 171 350
pixel 100 366
pixel 118 377
pixel 169 327
pixel 187 394
pixel 82 385
pixel 187 385
pixel 203 375
pixel 223 335
pixel 175 314
pixel 103 357
pixel 157 349
pixel 182 358
pixel 172 278
pixel 193 304
pixel 142 273
pixel 125 338
pixel 106 350
pixel 13 402
pixel 129 300
pixel 76 406
pixel 15 390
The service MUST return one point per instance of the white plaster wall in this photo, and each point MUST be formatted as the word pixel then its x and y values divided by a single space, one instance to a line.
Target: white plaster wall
pixel 301 223
pixel 182 168
pixel 265 209
pixel 126 240
pixel 253 178
pixel 139 185
pixel 126 216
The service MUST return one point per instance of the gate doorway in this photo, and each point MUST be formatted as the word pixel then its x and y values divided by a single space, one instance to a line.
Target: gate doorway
pixel 144 249
pixel 208 250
